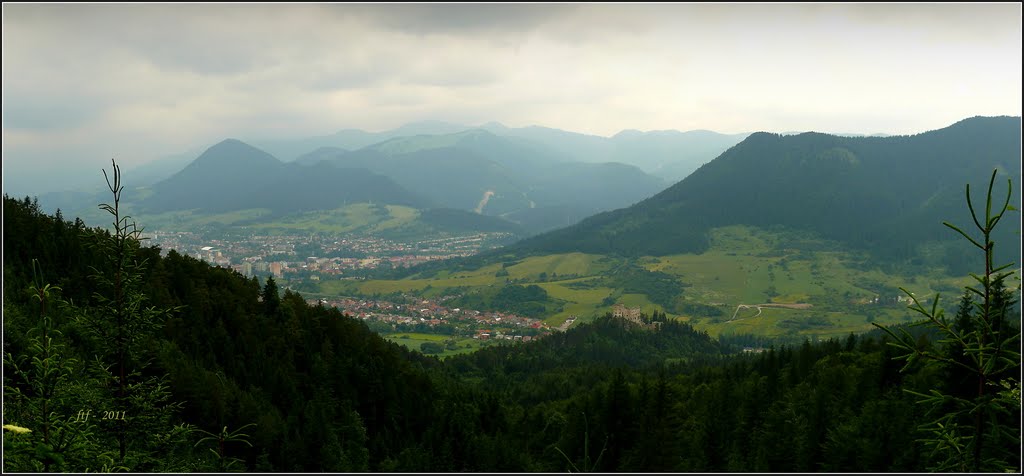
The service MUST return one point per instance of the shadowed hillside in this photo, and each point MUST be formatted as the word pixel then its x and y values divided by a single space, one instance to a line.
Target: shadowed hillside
pixel 884 194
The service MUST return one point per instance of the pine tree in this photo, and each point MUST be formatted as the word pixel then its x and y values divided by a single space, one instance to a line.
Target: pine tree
pixel 271 299
pixel 980 431
pixel 45 403
pixel 123 329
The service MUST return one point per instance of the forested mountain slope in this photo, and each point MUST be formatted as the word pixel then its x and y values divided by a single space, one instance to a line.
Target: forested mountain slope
pixel 233 175
pixel 313 390
pixel 887 195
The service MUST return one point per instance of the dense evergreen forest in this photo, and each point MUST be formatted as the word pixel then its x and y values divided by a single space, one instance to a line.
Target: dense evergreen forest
pixel 118 358
pixel 885 195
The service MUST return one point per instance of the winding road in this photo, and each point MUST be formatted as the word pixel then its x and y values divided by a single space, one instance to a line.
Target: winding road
pixel 759 306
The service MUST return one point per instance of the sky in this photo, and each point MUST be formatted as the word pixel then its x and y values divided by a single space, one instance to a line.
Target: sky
pixel 84 83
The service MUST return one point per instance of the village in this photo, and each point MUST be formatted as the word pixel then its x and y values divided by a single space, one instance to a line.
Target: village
pixel 317 256
pixel 429 316
pixel 281 256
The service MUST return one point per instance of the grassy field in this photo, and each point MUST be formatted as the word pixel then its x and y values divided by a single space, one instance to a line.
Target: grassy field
pixel 355 218
pixel 180 220
pixel 579 302
pixel 358 217
pixel 579 264
pixel 412 341
pixel 743 266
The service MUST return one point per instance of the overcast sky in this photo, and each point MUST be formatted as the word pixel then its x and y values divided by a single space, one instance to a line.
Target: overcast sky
pixel 85 83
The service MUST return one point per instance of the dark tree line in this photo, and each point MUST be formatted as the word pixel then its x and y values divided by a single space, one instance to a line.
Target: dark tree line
pixel 257 379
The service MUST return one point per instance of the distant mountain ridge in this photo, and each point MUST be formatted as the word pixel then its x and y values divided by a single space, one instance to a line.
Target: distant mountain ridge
pixel 233 175
pixel 525 188
pixel 500 176
pixel 669 154
pixel 887 194
pixel 690 149
pixel 351 139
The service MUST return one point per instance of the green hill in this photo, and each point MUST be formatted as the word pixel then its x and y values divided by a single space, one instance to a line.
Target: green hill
pixel 887 195
pixel 234 375
pixel 837 223
pixel 233 175
pixel 721 291
pixel 500 176
pixel 461 220
pixel 670 155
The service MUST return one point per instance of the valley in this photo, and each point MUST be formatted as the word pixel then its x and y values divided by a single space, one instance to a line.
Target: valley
pixel 744 265
pixel 781 236
pixel 306 246
pixel 509 238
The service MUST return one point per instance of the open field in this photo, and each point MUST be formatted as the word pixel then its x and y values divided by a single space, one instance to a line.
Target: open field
pixel 357 217
pixel 412 341
pixel 569 264
pixel 189 219
pixel 743 266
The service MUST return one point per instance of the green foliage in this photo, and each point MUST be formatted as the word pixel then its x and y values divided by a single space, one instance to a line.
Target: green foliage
pixel 586 464
pixel 697 309
pixel 220 442
pixel 529 301
pixel 523 300
pixel 453 220
pixel 431 348
pixel 271 298
pixel 856 190
pixel 326 394
pixel 974 430
pixel 661 288
pixel 122 328
pixel 41 393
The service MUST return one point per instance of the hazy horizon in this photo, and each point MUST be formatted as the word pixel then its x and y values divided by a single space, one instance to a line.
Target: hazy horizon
pixel 83 83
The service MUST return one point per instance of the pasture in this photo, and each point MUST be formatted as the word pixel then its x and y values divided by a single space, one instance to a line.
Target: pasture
pixel 744 265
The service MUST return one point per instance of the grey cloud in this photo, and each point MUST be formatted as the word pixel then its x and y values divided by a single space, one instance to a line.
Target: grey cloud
pixel 363 78
pixel 155 79
pixel 456 17
pixel 335 80
pixel 48 113
pixel 965 21
pixel 199 56
pixel 206 39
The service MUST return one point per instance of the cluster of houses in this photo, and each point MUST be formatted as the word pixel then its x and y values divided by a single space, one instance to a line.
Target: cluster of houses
pixel 487 334
pixel 432 313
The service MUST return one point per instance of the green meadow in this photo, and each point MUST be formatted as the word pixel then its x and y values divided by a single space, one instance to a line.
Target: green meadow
pixel 357 217
pixel 744 266
pixel 413 340
pixel 386 221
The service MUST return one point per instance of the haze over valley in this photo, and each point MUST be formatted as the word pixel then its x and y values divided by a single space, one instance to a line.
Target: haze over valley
pixel 512 238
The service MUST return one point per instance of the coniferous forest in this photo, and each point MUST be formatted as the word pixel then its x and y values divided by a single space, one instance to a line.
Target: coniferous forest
pixel 119 359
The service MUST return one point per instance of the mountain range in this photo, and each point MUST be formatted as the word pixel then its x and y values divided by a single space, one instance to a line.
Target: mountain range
pixel 669 154
pixel 233 175
pixel 529 187
pixel 472 170
pixel 500 176
pixel 885 194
